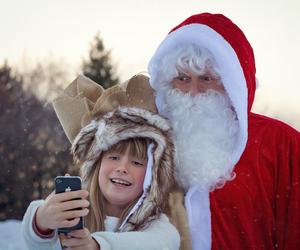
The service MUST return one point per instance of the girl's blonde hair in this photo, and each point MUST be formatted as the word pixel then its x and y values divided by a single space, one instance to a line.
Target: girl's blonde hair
pixel 95 219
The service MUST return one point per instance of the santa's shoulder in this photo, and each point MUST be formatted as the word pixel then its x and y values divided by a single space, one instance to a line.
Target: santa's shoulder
pixel 270 127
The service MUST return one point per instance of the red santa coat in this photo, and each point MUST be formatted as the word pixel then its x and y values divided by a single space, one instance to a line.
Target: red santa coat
pixel 260 208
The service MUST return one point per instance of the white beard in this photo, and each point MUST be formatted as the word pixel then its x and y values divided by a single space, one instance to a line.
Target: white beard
pixel 204 134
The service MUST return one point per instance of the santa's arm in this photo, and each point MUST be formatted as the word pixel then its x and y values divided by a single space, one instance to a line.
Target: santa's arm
pixel 287 189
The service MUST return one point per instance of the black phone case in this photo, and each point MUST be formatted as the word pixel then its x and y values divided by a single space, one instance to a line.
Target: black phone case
pixel 67 184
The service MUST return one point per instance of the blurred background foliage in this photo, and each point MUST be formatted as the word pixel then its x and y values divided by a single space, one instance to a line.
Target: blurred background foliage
pixel 33 146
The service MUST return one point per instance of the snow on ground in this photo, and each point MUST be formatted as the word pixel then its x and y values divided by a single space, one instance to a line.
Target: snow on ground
pixel 10 235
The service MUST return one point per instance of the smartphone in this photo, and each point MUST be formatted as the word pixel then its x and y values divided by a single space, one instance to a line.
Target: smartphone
pixel 68 184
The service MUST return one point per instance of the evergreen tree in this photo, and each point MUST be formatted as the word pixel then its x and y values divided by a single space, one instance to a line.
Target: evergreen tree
pixel 33 147
pixel 98 67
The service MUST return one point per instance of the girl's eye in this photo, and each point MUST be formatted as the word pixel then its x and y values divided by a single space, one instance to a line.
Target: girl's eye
pixel 138 163
pixel 113 157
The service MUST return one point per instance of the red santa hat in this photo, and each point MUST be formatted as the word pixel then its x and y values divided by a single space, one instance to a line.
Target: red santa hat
pixel 233 54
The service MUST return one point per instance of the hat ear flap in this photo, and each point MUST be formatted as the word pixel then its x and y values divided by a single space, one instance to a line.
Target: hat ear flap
pixel 84 142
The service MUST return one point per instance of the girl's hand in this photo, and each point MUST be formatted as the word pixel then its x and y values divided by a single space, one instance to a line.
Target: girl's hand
pixel 81 240
pixel 55 211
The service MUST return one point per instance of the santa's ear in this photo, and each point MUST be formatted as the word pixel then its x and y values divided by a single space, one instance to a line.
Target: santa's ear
pixel 84 141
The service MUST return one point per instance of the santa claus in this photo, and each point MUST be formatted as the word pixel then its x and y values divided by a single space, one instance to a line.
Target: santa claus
pixel 238 172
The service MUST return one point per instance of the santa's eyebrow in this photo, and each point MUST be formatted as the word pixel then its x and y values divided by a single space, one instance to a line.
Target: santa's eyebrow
pixel 181 74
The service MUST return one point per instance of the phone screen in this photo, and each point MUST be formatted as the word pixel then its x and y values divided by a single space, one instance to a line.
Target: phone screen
pixel 68 184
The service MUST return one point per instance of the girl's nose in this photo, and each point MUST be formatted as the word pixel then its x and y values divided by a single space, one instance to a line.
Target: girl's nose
pixel 122 171
pixel 122 168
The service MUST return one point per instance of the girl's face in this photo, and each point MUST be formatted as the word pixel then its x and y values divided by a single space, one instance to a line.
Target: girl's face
pixel 121 179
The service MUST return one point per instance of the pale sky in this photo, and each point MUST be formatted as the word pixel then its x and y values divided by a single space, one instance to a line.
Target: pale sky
pixel 134 28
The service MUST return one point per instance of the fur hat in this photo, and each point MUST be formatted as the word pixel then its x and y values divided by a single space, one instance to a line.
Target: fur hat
pixel 119 113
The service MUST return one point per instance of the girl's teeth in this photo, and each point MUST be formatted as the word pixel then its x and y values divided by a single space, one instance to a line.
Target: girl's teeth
pixel 123 182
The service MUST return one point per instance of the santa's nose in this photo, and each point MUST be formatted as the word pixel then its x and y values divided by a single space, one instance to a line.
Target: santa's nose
pixel 196 87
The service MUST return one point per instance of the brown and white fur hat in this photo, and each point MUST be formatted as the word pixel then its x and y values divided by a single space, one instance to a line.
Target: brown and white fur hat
pixel 119 113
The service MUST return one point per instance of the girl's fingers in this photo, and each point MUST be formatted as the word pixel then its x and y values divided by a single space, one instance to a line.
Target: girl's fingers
pixel 74 242
pixel 67 215
pixel 72 204
pixel 81 233
pixel 69 223
pixel 66 196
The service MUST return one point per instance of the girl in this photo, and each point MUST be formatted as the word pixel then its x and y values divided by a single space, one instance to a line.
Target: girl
pixel 126 167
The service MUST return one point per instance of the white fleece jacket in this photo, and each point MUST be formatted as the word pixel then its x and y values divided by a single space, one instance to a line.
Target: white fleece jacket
pixel 160 234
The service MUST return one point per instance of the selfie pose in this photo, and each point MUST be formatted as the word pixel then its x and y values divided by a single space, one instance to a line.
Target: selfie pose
pixel 238 173
pixel 126 162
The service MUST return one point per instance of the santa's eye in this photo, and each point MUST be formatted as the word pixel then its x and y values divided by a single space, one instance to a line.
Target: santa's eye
pixel 183 78
pixel 206 78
